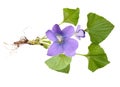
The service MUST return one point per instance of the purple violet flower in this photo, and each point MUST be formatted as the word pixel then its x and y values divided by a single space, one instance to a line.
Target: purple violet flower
pixel 62 43
pixel 80 33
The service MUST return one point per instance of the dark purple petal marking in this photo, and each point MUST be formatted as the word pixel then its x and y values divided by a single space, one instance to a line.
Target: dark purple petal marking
pixel 56 29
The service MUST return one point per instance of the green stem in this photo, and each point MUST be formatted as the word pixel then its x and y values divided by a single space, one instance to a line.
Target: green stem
pixel 80 54
pixel 86 30
pixel 61 22
pixel 44 37
pixel 40 41
pixel 85 55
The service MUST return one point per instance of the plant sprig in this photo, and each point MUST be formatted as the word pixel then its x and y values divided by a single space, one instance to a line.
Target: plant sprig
pixel 98 29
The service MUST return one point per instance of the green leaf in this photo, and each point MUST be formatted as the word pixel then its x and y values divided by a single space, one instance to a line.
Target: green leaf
pixel 97 57
pixel 65 70
pixel 71 15
pixel 98 28
pixel 59 63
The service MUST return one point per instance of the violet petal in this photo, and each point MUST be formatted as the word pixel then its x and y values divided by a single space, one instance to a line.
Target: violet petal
pixel 68 31
pixel 56 29
pixel 78 28
pixel 50 35
pixel 70 45
pixel 80 33
pixel 55 49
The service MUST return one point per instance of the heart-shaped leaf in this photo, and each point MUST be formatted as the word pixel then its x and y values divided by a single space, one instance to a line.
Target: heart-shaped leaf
pixel 98 28
pixel 71 15
pixel 59 63
pixel 97 57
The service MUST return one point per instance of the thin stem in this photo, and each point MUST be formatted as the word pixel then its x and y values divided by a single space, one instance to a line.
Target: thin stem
pixel 61 22
pixel 44 37
pixel 86 30
pixel 80 54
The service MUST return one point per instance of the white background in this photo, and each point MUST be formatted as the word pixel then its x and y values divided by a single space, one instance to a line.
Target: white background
pixel 25 67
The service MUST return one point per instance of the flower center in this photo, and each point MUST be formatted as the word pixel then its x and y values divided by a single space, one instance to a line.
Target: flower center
pixel 59 38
